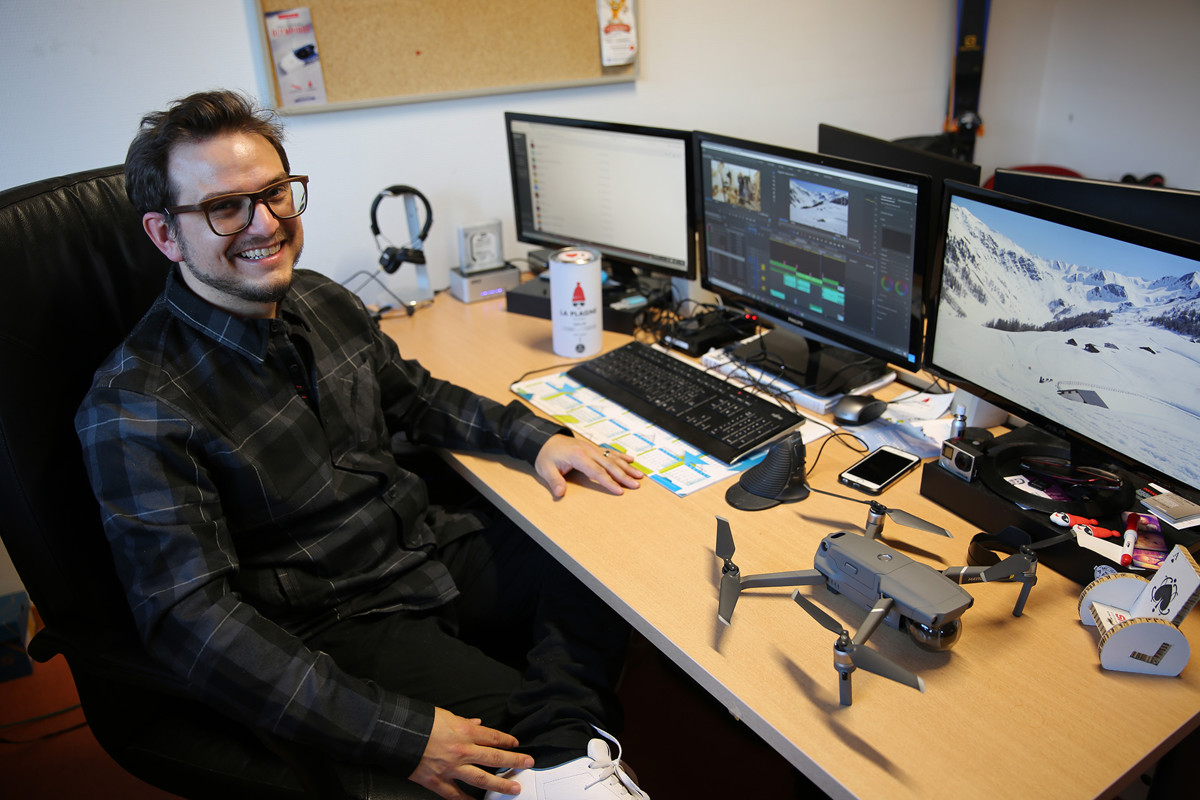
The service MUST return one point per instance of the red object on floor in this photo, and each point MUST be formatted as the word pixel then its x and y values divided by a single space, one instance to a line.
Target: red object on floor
pixel 69 765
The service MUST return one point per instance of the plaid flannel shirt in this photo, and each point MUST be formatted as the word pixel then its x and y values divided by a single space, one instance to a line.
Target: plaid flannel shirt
pixel 250 497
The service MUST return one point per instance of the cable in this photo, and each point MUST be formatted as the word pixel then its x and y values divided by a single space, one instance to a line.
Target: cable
pixel 841 496
pixel 540 369
pixel 834 434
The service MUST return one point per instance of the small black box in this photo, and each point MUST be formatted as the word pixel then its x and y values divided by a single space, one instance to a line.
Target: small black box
pixel 532 298
pixel 699 334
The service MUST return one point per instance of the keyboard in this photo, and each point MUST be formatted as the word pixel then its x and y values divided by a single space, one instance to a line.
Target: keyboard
pixel 715 416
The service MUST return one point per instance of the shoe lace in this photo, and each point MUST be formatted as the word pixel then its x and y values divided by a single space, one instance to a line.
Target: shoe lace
pixel 610 768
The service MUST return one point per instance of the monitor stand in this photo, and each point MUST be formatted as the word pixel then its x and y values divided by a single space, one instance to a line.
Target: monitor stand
pixel 626 278
pixel 816 367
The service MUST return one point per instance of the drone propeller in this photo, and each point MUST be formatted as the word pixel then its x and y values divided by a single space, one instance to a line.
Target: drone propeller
pixel 816 612
pixel 731 584
pixel 1009 568
pixel 1066 536
pixel 732 580
pixel 1022 553
pixel 880 665
pixel 850 653
pixel 908 520
pixel 878 510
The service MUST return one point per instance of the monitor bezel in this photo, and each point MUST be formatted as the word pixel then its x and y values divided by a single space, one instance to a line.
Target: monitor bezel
pixel 1127 203
pixel 612 254
pixel 922 251
pixel 1129 233
pixel 845 143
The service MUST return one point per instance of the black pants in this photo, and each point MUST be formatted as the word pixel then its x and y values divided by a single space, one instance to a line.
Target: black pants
pixel 526 647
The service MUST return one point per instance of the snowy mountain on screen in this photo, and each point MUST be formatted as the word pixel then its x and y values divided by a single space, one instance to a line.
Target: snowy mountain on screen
pixel 990 277
pixel 803 197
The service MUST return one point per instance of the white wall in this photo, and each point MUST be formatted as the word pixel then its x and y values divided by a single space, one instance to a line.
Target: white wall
pixel 1103 86
pixel 1122 90
pixel 80 74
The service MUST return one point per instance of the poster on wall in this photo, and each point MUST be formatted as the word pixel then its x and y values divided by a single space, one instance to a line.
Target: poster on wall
pixel 618 32
pixel 295 58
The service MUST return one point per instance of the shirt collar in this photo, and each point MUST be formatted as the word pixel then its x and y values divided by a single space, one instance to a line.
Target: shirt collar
pixel 246 336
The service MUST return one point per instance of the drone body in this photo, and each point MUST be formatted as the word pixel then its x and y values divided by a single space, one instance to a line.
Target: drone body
pixel 866 570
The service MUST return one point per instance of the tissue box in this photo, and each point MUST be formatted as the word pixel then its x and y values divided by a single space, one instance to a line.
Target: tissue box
pixel 14 636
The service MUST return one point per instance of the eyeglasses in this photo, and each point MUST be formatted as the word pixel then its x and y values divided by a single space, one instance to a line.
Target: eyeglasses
pixel 228 214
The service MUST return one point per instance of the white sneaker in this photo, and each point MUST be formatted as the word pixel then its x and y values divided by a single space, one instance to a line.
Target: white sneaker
pixel 596 776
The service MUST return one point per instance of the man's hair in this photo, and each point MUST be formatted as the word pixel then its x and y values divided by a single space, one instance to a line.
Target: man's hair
pixel 195 118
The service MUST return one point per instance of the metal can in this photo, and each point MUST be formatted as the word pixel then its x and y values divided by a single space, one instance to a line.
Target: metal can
pixel 575 302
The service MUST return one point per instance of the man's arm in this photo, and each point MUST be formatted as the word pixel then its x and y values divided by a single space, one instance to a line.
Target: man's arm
pixel 173 552
pixel 432 411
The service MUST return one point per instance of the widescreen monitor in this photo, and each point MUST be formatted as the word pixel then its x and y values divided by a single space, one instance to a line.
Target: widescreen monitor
pixel 1086 328
pixel 623 190
pixel 833 252
pixel 1172 211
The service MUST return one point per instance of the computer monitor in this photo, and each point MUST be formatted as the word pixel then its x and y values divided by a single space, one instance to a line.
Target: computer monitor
pixel 861 147
pixel 832 252
pixel 1086 328
pixel 1172 211
pixel 623 190
pixel 941 168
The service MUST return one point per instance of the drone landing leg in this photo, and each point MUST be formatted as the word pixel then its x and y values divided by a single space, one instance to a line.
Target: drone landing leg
pixel 1026 586
pixel 844 665
pixel 844 688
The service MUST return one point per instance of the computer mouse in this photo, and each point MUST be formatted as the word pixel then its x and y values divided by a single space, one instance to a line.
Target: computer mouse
pixel 857 409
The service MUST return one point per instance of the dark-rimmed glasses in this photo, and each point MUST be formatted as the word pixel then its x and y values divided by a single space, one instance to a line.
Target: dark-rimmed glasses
pixel 228 214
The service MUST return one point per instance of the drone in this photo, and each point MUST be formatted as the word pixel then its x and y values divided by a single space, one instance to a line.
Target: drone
pixel 906 594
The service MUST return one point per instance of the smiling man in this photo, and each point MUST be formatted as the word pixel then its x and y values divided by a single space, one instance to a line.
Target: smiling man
pixel 249 269
pixel 275 552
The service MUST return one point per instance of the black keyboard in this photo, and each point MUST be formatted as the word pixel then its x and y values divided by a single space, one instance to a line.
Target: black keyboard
pixel 702 409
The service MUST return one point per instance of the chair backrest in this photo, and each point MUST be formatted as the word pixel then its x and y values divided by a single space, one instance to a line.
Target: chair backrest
pixel 77 273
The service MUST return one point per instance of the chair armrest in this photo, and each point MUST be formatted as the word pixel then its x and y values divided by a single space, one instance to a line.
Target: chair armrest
pixel 110 656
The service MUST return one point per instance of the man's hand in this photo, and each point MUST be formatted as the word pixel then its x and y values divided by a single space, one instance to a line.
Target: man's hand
pixel 457 748
pixel 608 468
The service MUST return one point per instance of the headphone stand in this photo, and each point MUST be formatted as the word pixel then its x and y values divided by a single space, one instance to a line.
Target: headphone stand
pixel 392 258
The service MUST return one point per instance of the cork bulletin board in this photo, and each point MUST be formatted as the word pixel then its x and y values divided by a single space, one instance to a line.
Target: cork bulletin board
pixel 383 52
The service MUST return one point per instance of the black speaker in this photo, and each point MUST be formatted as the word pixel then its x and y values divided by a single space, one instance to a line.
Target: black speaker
pixel 391 258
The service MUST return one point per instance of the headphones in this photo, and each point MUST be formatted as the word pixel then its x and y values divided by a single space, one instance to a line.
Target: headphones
pixel 392 258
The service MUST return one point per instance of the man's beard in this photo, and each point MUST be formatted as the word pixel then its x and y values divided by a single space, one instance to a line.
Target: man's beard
pixel 234 286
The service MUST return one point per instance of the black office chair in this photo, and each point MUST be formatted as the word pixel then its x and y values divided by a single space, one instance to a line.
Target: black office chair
pixel 76 273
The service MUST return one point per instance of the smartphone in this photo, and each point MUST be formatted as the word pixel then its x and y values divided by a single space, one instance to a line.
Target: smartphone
pixel 879 470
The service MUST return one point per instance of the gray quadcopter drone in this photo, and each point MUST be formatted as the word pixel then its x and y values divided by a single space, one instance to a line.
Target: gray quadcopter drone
pixel 906 594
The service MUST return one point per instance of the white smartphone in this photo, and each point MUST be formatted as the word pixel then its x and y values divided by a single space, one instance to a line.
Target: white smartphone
pixel 879 470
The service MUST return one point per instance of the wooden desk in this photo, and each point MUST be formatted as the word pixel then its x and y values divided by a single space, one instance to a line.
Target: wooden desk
pixel 1020 707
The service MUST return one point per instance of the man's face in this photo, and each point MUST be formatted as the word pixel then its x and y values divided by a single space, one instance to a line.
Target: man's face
pixel 246 273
